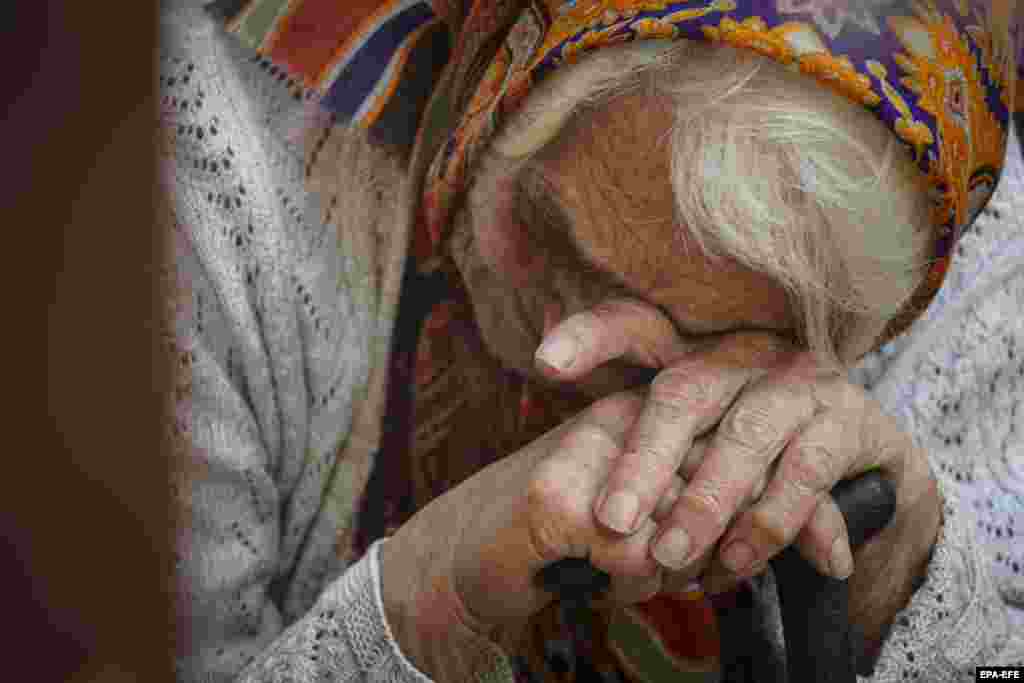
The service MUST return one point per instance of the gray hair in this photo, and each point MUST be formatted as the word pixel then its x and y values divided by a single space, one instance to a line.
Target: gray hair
pixel 770 170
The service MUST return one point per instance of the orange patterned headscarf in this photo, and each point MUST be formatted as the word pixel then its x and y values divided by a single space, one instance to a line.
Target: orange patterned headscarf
pixel 941 74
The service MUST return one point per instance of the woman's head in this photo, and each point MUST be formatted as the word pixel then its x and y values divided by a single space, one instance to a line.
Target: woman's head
pixel 727 190
pixel 777 173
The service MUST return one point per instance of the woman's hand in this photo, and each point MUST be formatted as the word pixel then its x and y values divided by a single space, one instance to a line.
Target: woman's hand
pixel 779 432
pixel 460 574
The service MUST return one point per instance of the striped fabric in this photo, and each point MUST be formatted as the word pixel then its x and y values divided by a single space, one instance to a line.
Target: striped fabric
pixel 372 63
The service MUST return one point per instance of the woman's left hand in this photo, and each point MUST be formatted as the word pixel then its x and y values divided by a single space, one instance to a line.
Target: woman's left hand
pixel 762 433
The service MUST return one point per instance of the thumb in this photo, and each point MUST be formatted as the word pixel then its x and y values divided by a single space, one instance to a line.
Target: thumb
pixel 534 508
pixel 618 329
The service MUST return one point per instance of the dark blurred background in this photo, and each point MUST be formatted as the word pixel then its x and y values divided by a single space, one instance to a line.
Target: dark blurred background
pixel 84 522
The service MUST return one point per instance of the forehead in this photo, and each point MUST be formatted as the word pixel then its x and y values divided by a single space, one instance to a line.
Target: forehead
pixel 611 172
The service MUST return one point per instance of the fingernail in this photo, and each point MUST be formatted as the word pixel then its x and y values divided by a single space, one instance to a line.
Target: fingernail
pixel 672 549
pixel 738 557
pixel 619 511
pixel 559 352
pixel 841 561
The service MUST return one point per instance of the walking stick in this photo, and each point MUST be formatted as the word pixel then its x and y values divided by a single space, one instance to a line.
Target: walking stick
pixel 815 608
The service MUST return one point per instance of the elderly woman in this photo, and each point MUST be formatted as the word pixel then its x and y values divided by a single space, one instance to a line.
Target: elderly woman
pixel 587 278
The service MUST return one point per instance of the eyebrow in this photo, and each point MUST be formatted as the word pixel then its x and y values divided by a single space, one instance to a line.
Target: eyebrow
pixel 545 218
pixel 537 202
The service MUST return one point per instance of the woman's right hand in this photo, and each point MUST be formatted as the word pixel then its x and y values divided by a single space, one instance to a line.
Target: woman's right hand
pixel 461 571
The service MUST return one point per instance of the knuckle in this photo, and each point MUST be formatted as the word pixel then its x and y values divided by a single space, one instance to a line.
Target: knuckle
pixel 650 463
pixel 611 308
pixel 554 489
pixel 813 470
pixel 543 494
pixel 588 436
pixel 839 395
pixel 677 391
pixel 547 539
pixel 550 518
pixel 750 428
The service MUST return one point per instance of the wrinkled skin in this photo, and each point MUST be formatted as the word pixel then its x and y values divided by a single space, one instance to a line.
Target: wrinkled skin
pixel 735 444
pixel 613 187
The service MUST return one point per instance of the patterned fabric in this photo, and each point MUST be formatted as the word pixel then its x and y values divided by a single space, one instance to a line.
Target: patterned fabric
pixel 437 79
pixel 372 62
pixel 940 73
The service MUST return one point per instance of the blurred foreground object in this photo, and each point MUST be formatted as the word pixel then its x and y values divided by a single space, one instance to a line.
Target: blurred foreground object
pixel 85 522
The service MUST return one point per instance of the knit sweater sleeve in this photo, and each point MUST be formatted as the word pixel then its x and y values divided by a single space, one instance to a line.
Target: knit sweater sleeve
pixel 956 382
pixel 269 327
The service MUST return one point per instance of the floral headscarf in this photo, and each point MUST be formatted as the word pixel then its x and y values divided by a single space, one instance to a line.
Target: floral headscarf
pixel 941 74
